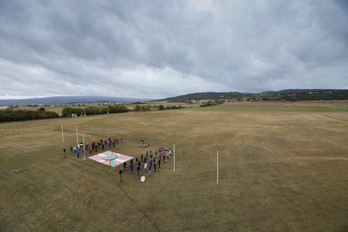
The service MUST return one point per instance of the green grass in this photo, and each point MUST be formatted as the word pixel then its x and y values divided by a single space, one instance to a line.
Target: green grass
pixel 282 168
pixel 274 107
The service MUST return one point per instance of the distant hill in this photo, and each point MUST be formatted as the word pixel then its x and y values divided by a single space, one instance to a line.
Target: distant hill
pixel 68 100
pixel 283 95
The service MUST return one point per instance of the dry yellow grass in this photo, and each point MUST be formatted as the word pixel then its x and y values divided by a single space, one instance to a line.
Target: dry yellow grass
pixel 283 167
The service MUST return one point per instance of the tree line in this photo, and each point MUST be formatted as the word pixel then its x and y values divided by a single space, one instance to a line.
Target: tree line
pixel 9 115
pixel 284 95
pixel 93 110
pixel 155 107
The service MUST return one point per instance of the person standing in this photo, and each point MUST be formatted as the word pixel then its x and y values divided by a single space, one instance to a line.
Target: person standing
pixel 159 164
pixel 78 153
pixel 150 162
pixel 131 166
pixel 142 158
pixel 125 166
pixel 138 169
pixel 154 165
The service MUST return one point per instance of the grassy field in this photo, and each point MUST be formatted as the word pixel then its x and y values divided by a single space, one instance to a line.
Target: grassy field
pixel 283 167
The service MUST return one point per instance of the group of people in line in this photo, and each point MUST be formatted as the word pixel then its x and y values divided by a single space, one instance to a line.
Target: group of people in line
pixel 94 146
pixel 149 161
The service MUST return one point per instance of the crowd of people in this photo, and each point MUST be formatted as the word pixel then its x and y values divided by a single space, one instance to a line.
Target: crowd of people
pixel 148 162
pixel 94 146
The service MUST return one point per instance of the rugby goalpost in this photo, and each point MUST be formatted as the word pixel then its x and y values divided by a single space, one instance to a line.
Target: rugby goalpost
pixel 174 158
pixel 77 136
pixel 83 147
pixel 217 167
pixel 62 134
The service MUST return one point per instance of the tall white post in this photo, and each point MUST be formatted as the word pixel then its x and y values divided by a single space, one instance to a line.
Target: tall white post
pixel 174 158
pixel 84 148
pixel 62 133
pixel 77 137
pixel 217 167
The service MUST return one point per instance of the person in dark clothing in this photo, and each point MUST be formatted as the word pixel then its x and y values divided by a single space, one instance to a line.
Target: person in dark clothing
pixel 125 166
pixel 142 158
pixel 71 149
pixel 154 165
pixel 159 164
pixel 138 169
pixel 103 146
pixel 131 166
pixel 96 148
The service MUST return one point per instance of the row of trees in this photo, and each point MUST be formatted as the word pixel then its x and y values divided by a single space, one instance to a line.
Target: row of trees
pixel 9 115
pixel 212 103
pixel 284 95
pixel 93 110
pixel 155 107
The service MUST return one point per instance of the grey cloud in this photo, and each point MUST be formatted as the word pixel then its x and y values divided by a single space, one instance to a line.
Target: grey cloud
pixel 186 46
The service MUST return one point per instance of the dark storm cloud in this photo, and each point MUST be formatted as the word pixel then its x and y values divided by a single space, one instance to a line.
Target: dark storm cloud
pixel 161 48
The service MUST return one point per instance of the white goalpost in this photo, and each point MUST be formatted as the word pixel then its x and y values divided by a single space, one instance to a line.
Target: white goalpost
pixel 84 148
pixel 62 133
pixel 174 158
pixel 77 136
pixel 217 167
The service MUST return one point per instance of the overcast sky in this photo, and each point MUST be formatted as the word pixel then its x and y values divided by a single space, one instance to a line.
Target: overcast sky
pixel 168 48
